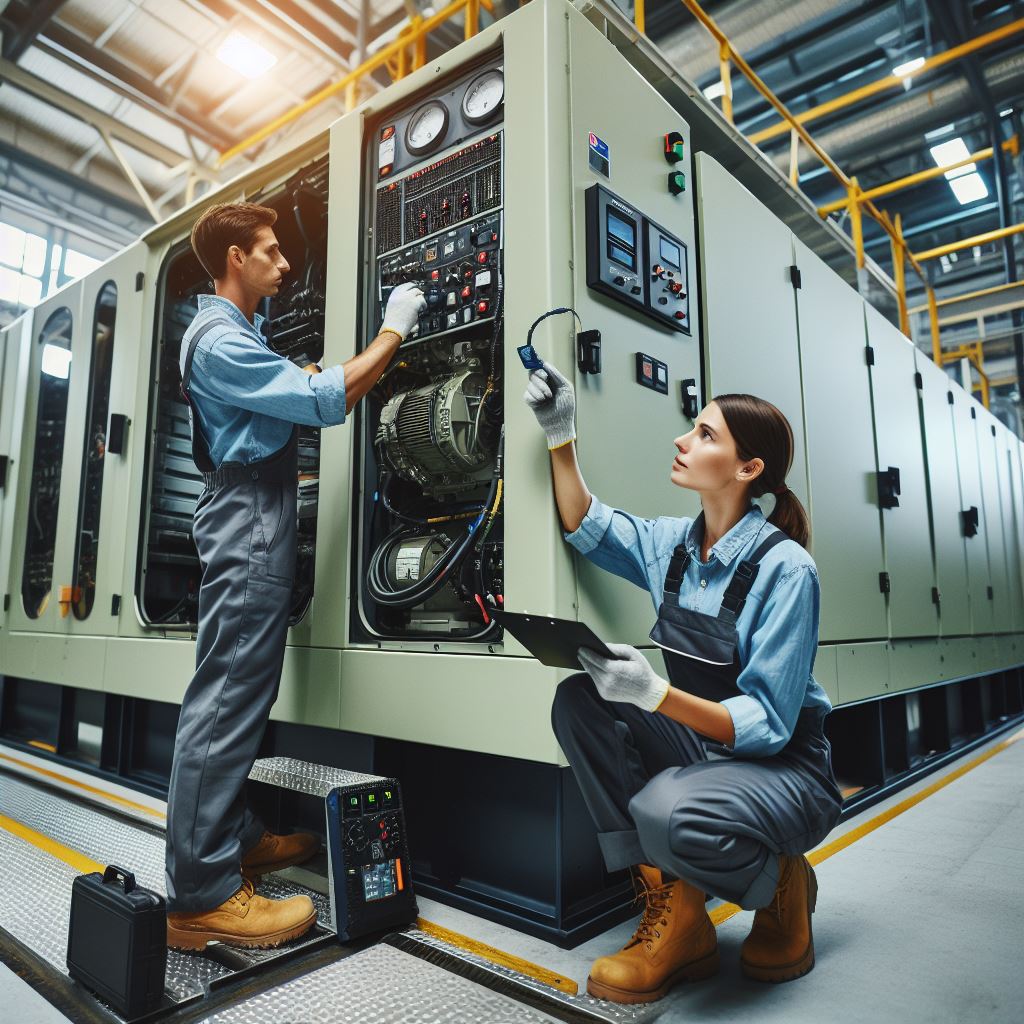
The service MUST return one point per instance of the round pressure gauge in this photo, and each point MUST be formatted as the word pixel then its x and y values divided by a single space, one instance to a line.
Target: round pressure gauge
pixel 426 128
pixel 484 96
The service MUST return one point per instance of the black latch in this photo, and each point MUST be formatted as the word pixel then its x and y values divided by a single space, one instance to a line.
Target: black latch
pixel 794 277
pixel 974 413
pixel 117 435
pixel 140 280
pixel 688 397
pixel 993 430
pixel 970 520
pixel 115 604
pixel 991 595
pixel 936 596
pixel 889 488
pixel 588 351
pixel 949 397
pixel 883 582
pixel 7 601
pixel 4 459
pixel 869 355
pixel 918 380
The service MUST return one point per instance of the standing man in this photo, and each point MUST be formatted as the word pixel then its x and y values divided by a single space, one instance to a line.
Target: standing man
pixel 246 402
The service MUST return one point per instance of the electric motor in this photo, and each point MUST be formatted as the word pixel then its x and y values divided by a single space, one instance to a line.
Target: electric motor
pixel 430 435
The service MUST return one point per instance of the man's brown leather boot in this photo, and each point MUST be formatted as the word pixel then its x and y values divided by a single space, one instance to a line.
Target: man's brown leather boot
pixel 273 852
pixel 780 946
pixel 245 919
pixel 674 941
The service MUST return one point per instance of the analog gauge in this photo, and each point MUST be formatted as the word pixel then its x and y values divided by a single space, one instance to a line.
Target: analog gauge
pixel 483 96
pixel 426 128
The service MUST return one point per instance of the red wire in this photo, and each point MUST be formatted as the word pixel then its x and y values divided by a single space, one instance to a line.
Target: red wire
pixel 483 608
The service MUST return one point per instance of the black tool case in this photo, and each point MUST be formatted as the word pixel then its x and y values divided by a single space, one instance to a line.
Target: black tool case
pixel 117 940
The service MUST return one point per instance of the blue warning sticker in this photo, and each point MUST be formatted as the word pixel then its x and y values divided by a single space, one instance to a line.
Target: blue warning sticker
pixel 600 156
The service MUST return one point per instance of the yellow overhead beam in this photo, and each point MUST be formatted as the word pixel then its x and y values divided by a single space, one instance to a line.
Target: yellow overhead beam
pixel 890 81
pixel 969 243
pixel 380 58
pixel 1011 145
pixel 970 295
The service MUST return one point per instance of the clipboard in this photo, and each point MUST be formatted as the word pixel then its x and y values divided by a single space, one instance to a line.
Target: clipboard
pixel 552 642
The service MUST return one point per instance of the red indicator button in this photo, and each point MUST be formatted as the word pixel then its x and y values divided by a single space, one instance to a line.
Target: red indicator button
pixel 481 257
pixel 680 315
pixel 481 306
pixel 434 275
pixel 466 292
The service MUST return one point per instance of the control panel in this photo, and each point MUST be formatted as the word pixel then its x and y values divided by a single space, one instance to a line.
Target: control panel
pixel 459 270
pixel 635 261
pixel 369 858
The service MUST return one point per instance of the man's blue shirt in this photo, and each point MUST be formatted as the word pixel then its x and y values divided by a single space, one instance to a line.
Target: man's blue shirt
pixel 777 630
pixel 246 395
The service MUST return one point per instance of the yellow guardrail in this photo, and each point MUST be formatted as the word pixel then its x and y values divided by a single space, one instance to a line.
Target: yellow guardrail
pixel 394 56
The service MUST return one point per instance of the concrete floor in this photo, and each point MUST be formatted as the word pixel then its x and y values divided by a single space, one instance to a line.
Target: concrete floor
pixel 919 920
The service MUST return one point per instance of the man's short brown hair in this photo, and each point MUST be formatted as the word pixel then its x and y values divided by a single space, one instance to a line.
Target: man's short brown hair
pixel 225 225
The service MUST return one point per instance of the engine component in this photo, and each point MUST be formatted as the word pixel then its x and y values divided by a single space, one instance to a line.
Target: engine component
pixel 411 559
pixel 431 435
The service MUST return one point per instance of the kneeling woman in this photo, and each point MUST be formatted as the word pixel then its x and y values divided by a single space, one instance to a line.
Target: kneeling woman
pixel 719 782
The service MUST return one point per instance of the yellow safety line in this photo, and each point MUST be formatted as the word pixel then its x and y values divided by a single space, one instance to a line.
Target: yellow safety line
pixel 87 788
pixel 499 957
pixel 727 910
pixel 77 860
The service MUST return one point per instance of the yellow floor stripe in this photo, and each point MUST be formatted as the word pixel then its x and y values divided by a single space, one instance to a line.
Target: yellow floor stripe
pixel 500 957
pixel 727 910
pixel 77 860
pixel 159 815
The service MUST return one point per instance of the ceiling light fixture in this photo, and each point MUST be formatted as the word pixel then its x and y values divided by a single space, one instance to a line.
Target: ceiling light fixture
pixel 949 153
pixel 245 56
pixel 902 70
pixel 969 188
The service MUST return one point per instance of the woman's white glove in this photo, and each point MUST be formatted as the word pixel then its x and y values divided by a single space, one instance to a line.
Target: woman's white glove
pixel 406 304
pixel 628 678
pixel 555 412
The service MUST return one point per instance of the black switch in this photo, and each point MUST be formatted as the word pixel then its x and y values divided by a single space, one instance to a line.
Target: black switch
pixel 588 351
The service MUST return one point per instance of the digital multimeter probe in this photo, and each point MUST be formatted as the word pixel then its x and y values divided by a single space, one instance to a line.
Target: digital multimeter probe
pixel 528 354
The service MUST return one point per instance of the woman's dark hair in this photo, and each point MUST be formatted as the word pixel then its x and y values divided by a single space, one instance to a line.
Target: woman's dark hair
pixel 761 431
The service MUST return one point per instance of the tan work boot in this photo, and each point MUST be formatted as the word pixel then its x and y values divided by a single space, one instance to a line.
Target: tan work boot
pixel 244 920
pixel 272 853
pixel 674 941
pixel 780 946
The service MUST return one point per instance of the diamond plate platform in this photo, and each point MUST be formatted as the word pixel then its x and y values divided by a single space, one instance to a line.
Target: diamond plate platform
pixel 303 777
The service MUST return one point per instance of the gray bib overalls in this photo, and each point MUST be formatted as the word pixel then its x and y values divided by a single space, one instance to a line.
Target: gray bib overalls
pixel 653 791
pixel 245 533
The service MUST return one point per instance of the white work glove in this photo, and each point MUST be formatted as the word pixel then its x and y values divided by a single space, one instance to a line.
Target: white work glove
pixel 556 413
pixel 627 678
pixel 406 304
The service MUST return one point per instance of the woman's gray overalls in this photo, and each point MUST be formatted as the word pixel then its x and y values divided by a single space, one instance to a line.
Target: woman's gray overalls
pixel 245 532
pixel 658 798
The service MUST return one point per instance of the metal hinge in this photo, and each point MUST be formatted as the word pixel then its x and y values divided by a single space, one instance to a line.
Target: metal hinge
pixel 869 355
pixel 883 582
pixel 949 397
pixel 993 430
pixel 115 604
pixel 969 518
pixel 888 488
pixel 140 281
pixel 7 601
pixel 974 413
pixel 919 380
pixel 794 277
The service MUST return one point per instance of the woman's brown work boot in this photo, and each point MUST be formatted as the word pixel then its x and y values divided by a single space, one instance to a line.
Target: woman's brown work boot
pixel 780 946
pixel 674 941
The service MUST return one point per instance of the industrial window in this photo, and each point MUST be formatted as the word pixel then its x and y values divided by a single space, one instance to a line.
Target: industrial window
pixel 87 543
pixel 51 419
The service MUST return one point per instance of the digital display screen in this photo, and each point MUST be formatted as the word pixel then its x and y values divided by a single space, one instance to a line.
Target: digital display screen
pixel 670 253
pixel 617 253
pixel 621 229
pixel 379 881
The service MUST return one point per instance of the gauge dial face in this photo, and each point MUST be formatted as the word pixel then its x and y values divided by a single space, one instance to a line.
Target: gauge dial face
pixel 483 96
pixel 426 128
